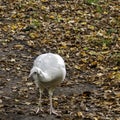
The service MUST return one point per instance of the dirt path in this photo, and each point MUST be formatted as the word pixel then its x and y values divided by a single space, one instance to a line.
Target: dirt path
pixel 85 33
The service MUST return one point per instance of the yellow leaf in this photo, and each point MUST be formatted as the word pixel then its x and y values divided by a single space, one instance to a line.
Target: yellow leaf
pixel 91 27
pixel 27 103
pixel 73 48
pixel 14 27
pixel 44 0
pixel 67 56
pixel 100 57
pixel 5 28
pixel 83 23
pixel 52 17
pixel 18 68
pixel 107 103
pixel 43 7
pixel 29 83
pixel 84 60
pixel 95 118
pixel 34 35
pixel 99 74
pixel 55 98
pixel 92 53
pixel 30 43
pixel 12 60
pixel 60 51
pixel 83 53
pixel 64 45
pixel 105 12
pixel 116 68
pixel 79 114
pixel 117 94
pixel 19 46
pixel 45 41
pixel 117 76
pixel 1 101
pixel 16 100
pixel 71 21
pixel 77 67
pixel 104 47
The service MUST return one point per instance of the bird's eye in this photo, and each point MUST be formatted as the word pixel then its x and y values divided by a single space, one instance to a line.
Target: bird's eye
pixel 35 73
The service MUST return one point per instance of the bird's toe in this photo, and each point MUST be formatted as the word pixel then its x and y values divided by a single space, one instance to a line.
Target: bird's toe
pixel 55 112
pixel 39 110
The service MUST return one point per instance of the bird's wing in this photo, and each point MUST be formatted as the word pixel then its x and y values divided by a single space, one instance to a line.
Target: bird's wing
pixel 49 61
pixel 52 64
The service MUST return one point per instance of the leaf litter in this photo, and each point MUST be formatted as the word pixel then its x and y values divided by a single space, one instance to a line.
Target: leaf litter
pixel 85 33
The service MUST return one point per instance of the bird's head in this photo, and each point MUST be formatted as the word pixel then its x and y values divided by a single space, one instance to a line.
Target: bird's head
pixel 35 70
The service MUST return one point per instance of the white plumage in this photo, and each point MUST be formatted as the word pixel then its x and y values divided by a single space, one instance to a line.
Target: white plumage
pixel 48 71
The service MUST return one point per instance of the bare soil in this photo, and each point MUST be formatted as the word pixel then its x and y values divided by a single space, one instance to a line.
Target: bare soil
pixel 85 33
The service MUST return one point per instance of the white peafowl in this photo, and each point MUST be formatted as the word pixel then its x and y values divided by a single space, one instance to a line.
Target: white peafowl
pixel 48 71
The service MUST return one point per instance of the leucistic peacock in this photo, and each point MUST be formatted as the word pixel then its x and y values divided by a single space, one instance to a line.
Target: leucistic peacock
pixel 48 71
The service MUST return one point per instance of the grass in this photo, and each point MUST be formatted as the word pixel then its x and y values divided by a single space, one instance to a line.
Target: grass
pixel 92 1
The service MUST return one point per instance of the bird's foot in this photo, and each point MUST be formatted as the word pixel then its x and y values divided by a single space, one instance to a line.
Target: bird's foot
pixel 55 112
pixel 38 110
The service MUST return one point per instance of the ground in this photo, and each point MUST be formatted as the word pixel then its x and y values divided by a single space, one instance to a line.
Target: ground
pixel 86 33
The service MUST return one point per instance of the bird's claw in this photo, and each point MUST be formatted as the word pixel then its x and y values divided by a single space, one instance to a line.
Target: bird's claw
pixel 39 109
pixel 55 112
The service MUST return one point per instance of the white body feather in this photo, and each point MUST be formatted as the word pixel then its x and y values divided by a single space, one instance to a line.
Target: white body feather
pixel 48 70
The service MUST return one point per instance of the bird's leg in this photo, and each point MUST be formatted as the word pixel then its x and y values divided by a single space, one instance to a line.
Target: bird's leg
pixel 52 110
pixel 40 101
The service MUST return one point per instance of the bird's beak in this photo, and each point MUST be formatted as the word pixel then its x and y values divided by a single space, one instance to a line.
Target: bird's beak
pixel 30 75
pixel 33 70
